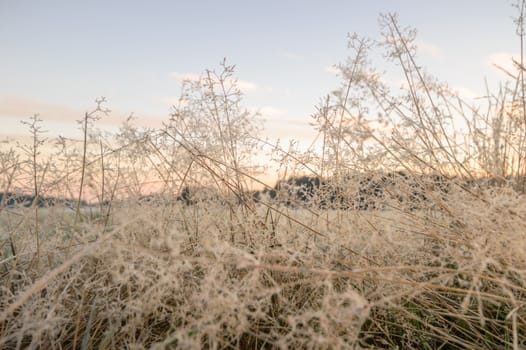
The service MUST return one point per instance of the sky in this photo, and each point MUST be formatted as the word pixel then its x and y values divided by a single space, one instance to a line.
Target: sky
pixel 58 56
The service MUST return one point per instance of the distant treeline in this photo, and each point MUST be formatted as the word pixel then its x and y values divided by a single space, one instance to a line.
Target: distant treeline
pixel 12 200
pixel 351 192
pixel 369 191
pixel 360 191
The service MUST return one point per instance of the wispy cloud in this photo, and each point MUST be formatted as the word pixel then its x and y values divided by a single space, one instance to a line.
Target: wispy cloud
pixel 465 92
pixel 23 107
pixel 269 113
pixel 185 76
pixel 429 49
pixel 332 69
pixel 243 85
pixel 503 60
pixel 246 86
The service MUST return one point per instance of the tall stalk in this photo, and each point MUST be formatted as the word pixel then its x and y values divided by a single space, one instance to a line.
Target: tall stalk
pixel 33 151
pixel 88 117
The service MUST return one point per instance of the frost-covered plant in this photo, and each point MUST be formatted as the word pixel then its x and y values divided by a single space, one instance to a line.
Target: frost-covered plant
pixel 392 232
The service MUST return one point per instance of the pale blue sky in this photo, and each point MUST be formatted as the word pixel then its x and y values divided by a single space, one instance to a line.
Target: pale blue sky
pixel 57 56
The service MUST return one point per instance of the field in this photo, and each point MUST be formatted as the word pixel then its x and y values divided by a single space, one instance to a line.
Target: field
pixel 395 231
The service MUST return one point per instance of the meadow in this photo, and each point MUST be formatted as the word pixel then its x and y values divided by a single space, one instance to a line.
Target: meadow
pixel 406 232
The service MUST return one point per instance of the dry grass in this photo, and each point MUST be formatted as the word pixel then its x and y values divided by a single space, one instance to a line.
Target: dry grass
pixel 421 266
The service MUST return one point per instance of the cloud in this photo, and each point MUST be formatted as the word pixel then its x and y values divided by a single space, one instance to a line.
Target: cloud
pixel 243 85
pixel 25 107
pixel 428 49
pixel 503 60
pixel 332 70
pixel 185 76
pixel 465 92
pixel 246 86
pixel 269 113
pixel 16 108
